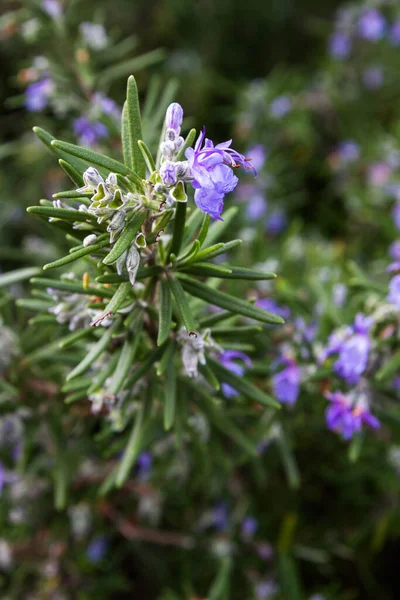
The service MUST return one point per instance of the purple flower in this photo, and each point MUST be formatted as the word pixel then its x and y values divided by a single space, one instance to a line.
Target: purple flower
pixel 395 33
pixel 270 305
pixel 379 173
pixel 265 590
pixel 396 214
pixel 249 527
pixel 286 383
pixel 373 78
pixel 346 416
pixel 52 7
pixel 281 106
pixel 144 464
pixel 174 117
pixel 256 207
pixel 97 549
pixel 265 551
pixel 227 359
pixel 107 105
pixel 37 94
pixel 89 132
pixel 394 250
pixel 371 25
pixel 339 45
pixel 212 174
pixel 354 351
pixel 276 222
pixel 6 477
pixel 258 155
pixel 394 291
pixel 220 515
pixel 348 151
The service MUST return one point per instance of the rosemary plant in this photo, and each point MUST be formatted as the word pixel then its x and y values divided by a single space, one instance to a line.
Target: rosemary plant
pixel 147 329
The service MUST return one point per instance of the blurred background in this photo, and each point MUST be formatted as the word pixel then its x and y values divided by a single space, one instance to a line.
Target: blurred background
pixel 310 90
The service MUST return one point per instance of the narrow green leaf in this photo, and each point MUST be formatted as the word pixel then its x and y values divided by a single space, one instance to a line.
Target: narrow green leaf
pixel 204 229
pixel 91 157
pixel 206 270
pixel 217 317
pixel 170 396
pixel 231 303
pixel 166 358
pixel 192 224
pixel 70 286
pixel 179 228
pixel 165 312
pixel 131 65
pixel 191 136
pixel 220 588
pixel 92 249
pixel 80 383
pixel 145 366
pixel 189 254
pixel 125 139
pixel 390 368
pixel 72 173
pixel 289 461
pixel 243 273
pixel 216 250
pixel 74 337
pixel 18 275
pixel 68 214
pixel 241 384
pixel 210 377
pixel 116 301
pixel 289 578
pixel 126 238
pixel 147 157
pixel 228 332
pixel 96 350
pixel 126 358
pixel 112 278
pixel 135 127
pixel 104 374
pixel 182 304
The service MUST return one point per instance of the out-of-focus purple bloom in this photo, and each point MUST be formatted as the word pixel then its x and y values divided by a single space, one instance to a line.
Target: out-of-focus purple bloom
pixel 395 33
pixel 94 35
pixel 256 207
pixel 89 133
pixel 396 214
pixel 396 383
pixel 258 155
pixel 270 305
pixel 394 291
pixel 346 415
pixel 52 7
pixel 371 25
pixel 144 464
pixel 373 78
pixel 317 597
pixel 211 169
pixel 97 549
pixel 265 551
pixel 174 117
pixel 286 383
pixel 354 352
pixel 394 250
pixel 227 359
pixel 379 173
pixel 339 294
pixel 265 590
pixel 220 515
pixel 37 94
pixel 107 105
pixel 281 106
pixel 304 331
pixel 339 45
pixel 6 477
pixel 276 222
pixel 249 527
pixel 348 151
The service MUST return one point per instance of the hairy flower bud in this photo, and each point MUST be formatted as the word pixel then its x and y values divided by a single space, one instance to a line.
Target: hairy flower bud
pixel 174 117
pixel 168 173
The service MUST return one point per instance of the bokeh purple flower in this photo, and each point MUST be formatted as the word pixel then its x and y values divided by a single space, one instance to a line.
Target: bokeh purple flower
pixel 249 527
pixel 37 94
pixel 339 45
pixel 347 414
pixel 227 359
pixel 354 351
pixel 395 33
pixel 88 132
pixel 394 291
pixel 371 25
pixel 286 383
pixel 280 106
pixel 373 78
pixel 97 549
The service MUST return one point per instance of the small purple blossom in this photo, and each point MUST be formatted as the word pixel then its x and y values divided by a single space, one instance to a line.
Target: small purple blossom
pixel 339 45
pixel 211 171
pixel 346 416
pixel 286 383
pixel 6 477
pixel 258 155
pixel 371 25
pixel 220 515
pixel 52 7
pixel 265 551
pixel 270 305
pixel 394 250
pixel 174 117
pixel 373 78
pixel 348 151
pixel 97 549
pixel 249 527
pixel 276 222
pixel 379 173
pixel 37 94
pixel 396 214
pixel 354 351
pixel 281 106
pixel 144 464
pixel 394 291
pixel 227 359
pixel 107 105
pixel 256 207
pixel 395 33
pixel 89 133
pixel 265 590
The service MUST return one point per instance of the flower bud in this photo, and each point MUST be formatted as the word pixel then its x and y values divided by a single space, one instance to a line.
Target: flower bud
pixel 174 117
pixel 168 173
pixel 91 178
pixel 116 225
pixel 89 240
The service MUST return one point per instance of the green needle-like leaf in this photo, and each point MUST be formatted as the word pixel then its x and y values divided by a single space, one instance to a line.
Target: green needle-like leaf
pixel 191 136
pixel 126 238
pixel 68 214
pixel 96 350
pixel 179 228
pixel 147 157
pixel 72 173
pixel 91 157
pixel 200 290
pixel 135 128
pixel 170 396
pixel 92 249
pixel 116 301
pixel 18 275
pixel 165 312
pixel 182 304
pixel 126 358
